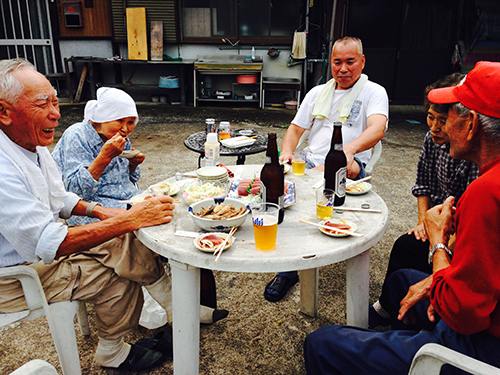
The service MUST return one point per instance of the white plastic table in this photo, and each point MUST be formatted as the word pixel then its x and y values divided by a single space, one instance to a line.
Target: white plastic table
pixel 299 247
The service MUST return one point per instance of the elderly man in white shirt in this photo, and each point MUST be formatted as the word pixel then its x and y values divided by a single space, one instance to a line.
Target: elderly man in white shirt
pixel 101 263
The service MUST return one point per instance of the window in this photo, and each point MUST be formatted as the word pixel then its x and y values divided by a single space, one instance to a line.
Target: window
pixel 249 21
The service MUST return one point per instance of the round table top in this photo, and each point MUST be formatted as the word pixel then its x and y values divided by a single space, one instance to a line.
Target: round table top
pixel 299 246
pixel 196 142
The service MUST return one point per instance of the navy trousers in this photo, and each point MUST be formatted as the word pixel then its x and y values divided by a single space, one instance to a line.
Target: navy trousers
pixel 357 351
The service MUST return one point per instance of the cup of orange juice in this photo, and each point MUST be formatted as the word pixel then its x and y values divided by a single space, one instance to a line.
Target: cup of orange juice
pixel 298 164
pixel 265 225
pixel 324 203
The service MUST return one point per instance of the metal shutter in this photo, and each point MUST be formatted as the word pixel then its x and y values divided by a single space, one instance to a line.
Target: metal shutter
pixel 156 10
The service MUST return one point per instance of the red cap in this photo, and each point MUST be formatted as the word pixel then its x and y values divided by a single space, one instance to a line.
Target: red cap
pixel 479 91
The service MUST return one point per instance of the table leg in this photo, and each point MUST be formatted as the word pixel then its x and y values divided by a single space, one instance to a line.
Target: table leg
pixel 358 284
pixel 309 291
pixel 186 318
pixel 240 160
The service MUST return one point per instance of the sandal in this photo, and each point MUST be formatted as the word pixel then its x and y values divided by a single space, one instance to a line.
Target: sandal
pixel 161 342
pixel 280 284
pixel 140 359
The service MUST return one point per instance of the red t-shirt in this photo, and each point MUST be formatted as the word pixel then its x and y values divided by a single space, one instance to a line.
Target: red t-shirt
pixel 467 293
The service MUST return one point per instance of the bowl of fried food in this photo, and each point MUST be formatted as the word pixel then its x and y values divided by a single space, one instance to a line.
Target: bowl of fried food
pixel 219 214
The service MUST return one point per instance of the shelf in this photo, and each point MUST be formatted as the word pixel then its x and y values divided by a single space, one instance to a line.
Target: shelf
pixel 228 100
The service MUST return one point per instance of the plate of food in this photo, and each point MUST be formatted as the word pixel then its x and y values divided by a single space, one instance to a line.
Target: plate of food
pixel 127 154
pixel 337 224
pixel 248 190
pixel 168 188
pixel 209 242
pixel 359 188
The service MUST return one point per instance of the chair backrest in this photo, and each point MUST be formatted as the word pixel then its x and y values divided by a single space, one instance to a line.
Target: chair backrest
pixel 431 357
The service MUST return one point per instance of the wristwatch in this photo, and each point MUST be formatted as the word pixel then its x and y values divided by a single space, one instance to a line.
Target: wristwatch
pixel 439 246
pixel 90 207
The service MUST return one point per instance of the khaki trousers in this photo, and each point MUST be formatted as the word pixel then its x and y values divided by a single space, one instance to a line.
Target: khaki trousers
pixel 110 276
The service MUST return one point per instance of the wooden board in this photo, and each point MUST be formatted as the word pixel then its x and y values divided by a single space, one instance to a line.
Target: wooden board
pixel 157 40
pixel 136 34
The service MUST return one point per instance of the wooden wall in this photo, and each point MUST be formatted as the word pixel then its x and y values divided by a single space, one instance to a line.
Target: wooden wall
pixel 97 20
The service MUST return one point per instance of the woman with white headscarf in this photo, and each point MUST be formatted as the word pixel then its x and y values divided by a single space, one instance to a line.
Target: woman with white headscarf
pixel 87 153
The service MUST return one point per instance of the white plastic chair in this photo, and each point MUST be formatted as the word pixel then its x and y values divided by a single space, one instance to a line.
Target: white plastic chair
pixel 376 152
pixel 35 367
pixel 60 316
pixel 431 357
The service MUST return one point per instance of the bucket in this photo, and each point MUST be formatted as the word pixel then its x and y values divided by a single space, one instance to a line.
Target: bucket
pixel 169 82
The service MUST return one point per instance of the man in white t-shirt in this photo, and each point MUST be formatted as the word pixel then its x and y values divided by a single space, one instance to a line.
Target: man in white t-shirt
pixel 363 126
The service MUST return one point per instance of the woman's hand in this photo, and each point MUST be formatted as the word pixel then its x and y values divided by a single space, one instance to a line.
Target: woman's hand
pixel 419 232
pixel 135 161
pixel 113 147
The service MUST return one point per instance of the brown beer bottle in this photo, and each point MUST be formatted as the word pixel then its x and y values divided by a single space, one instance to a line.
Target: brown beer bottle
pixel 336 166
pixel 272 178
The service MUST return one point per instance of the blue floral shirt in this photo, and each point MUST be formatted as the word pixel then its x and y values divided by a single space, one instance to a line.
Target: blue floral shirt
pixel 76 150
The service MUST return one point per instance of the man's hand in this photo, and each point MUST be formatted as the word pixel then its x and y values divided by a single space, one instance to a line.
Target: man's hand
pixel 103 213
pixel 417 293
pixel 419 232
pixel 440 222
pixel 154 211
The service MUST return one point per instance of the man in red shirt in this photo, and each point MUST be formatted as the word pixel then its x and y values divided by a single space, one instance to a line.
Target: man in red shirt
pixel 456 306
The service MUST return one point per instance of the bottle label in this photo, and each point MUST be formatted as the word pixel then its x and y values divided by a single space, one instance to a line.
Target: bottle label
pixel 268 160
pixel 340 182
pixel 211 156
pixel 338 147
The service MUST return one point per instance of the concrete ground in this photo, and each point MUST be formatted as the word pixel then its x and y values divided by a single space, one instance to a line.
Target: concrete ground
pixel 258 337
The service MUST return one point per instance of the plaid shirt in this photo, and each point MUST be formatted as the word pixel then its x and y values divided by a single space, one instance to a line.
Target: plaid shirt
pixel 439 175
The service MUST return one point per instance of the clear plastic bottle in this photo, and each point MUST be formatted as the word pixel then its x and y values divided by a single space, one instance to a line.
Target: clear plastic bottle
pixel 212 150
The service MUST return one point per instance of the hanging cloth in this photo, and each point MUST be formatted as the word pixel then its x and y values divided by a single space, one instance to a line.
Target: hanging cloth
pixel 299 45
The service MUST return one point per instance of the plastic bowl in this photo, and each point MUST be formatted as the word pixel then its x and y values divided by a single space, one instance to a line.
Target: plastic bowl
pixel 246 78
pixel 218 225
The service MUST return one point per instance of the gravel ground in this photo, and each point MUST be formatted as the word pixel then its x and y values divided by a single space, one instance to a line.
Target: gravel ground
pixel 258 337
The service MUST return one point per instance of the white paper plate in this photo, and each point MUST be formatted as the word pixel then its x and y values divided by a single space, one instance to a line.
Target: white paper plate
pixel 129 154
pixel 237 142
pixel 197 240
pixel 366 186
pixel 353 226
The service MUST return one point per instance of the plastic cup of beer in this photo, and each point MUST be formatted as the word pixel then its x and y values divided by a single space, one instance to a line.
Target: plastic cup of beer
pixel 265 225
pixel 298 164
pixel 324 203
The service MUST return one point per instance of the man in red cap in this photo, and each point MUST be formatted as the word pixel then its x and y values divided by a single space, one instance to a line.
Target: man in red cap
pixel 457 305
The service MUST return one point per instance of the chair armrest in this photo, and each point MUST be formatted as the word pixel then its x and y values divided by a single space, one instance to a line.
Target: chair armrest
pixel 431 357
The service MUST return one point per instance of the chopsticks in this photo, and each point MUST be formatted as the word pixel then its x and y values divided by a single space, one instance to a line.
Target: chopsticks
pixel 220 249
pixel 358 181
pixel 354 234
pixel 356 209
pixel 245 139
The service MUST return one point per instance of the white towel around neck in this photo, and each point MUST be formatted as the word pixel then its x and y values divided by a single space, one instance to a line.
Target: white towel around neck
pixel 323 104
pixel 45 182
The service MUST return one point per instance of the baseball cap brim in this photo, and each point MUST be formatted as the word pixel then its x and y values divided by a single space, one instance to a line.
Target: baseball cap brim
pixel 445 95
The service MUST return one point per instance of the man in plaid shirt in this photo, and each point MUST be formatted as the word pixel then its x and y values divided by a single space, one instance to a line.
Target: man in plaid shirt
pixel 438 177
